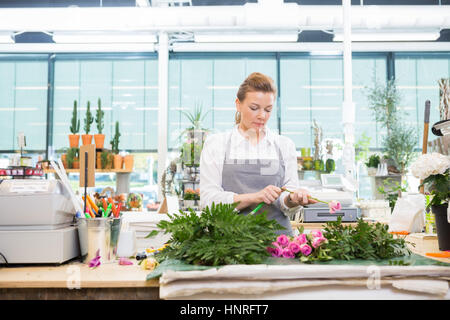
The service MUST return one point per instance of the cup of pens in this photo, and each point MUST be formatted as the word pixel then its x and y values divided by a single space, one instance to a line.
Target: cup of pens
pixel 98 232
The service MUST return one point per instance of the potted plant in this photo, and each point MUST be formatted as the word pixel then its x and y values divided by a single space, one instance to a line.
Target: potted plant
pixel 196 132
pixel 72 155
pixel 433 169
pixel 401 139
pixel 189 198
pixel 99 138
pixel 115 148
pixel 128 162
pixel 106 159
pixel 74 138
pixel 372 164
pixel 87 138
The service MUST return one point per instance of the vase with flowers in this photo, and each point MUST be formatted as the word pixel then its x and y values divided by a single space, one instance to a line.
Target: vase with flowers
pixel 433 170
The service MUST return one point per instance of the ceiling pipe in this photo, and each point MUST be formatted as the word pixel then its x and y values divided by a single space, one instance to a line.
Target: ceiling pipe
pixel 251 16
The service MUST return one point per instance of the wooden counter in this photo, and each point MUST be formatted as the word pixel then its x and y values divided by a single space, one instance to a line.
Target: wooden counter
pixel 75 280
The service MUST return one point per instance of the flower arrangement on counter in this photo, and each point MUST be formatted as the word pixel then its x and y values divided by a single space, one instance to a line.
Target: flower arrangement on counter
pixel 433 169
pixel 305 247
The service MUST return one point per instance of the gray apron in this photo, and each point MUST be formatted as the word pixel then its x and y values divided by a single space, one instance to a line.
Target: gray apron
pixel 248 176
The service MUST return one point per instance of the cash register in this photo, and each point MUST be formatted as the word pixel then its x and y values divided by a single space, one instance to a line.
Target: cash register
pixel 330 187
pixel 36 222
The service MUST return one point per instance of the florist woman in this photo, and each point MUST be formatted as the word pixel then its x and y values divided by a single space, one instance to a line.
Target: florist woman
pixel 250 164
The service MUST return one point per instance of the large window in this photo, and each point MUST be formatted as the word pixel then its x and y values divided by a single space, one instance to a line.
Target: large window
pixel 211 81
pixel 312 89
pixel 23 100
pixel 417 78
pixel 128 91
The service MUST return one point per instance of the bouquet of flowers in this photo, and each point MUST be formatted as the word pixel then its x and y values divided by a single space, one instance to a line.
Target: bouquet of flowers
pixel 433 169
pixel 305 247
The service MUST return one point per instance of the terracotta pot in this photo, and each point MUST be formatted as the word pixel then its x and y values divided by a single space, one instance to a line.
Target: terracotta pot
pixel 110 162
pixel 64 160
pixel 74 140
pixel 98 160
pixel 76 163
pixel 118 161
pixel 86 139
pixel 99 140
pixel 128 162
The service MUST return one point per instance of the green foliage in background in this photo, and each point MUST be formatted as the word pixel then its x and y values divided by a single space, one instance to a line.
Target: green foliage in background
pixel 401 138
pixel 439 184
pixel 391 191
pixel 374 161
pixel 362 147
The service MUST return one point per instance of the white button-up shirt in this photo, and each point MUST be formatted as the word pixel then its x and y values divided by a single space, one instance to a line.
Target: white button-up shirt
pixel 213 156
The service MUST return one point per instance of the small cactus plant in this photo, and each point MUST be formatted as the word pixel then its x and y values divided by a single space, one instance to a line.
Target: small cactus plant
pixel 75 126
pixel 89 119
pixel 115 140
pixel 99 117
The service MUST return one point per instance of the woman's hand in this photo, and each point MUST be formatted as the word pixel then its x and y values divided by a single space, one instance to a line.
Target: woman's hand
pixel 267 195
pixel 299 197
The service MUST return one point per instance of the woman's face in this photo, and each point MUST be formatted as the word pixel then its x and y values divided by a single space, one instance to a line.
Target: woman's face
pixel 255 109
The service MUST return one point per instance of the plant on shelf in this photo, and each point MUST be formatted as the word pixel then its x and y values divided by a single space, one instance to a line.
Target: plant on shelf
pixel 400 140
pixel 72 156
pixel 106 159
pixel 74 138
pixel 190 154
pixel 99 138
pixel 372 164
pixel 87 138
pixel 196 118
pixel 434 171
pixel 191 194
pixel 118 161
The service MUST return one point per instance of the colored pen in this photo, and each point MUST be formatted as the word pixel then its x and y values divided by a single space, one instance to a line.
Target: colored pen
pixel 119 206
pixel 257 208
pixel 108 210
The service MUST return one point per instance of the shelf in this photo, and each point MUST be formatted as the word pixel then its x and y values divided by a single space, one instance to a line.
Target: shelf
pixel 96 170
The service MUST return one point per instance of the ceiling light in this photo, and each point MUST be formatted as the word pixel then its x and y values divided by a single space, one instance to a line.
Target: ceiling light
pixel 142 3
pixel 390 36
pixel 103 37
pixel 246 37
pixel 6 37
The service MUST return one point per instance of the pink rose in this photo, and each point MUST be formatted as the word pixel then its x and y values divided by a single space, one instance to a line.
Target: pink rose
pixel 275 252
pixel 301 239
pixel 334 206
pixel 283 240
pixel 305 249
pixel 316 233
pixel 294 247
pixel 287 253
pixel 318 241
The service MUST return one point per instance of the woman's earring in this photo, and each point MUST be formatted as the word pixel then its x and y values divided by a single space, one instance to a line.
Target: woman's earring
pixel 237 117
